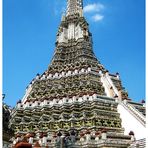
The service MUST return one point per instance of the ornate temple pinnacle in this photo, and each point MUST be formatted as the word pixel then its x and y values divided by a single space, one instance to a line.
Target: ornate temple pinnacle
pixel 74 6
pixel 76 102
pixel 71 27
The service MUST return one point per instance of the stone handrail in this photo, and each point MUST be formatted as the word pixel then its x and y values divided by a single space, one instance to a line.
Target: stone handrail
pixel 135 113
pixel 139 113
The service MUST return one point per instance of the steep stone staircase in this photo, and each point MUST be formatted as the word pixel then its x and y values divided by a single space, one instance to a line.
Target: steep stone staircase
pixel 139 144
pixel 135 112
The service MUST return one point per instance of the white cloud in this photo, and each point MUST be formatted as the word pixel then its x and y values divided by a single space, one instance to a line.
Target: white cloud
pixel 97 17
pixel 96 7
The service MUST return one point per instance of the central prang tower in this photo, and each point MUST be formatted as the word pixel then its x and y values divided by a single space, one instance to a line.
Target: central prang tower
pixel 73 103
pixel 74 6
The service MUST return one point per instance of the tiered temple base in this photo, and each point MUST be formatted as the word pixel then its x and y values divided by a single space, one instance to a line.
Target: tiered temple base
pixel 86 121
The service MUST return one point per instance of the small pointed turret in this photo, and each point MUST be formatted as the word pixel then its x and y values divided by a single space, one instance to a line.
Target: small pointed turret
pixel 74 7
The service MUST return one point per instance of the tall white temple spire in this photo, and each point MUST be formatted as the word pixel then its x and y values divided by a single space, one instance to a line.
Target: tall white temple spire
pixel 74 6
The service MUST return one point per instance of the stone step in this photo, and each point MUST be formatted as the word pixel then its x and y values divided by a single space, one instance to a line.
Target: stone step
pixel 139 144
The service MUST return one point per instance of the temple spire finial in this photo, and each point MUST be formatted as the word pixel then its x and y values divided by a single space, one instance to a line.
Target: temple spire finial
pixel 74 6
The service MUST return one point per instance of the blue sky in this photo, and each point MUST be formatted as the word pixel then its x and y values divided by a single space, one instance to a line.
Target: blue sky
pixel 29 34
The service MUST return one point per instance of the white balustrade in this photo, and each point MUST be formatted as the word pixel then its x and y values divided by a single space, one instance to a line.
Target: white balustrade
pixel 103 136
pixel 40 142
pixel 31 140
pixel 43 77
pixel 82 70
pixel 82 139
pixel 74 98
pixel 69 73
pixel 18 105
pixel 70 101
pixel 56 75
pixel 100 72
pixel 76 71
pixel 94 96
pixel 45 102
pixel 97 138
pixel 63 74
pixel 84 97
pixel 80 99
pixel 88 137
pixel 18 139
pixel 14 142
pixel 89 69
pixel 35 103
pixel 27 104
pixel 54 101
pixel 90 98
pixel 49 76
pixel 37 77
pixel 44 140
pixel 60 102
